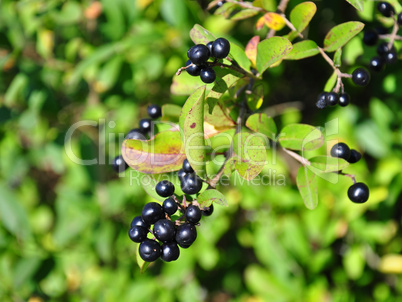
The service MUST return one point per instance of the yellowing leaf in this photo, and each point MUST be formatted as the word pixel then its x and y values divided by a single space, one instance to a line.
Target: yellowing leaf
pixel 274 21
pixel 391 264
pixel 251 49
pixel 260 23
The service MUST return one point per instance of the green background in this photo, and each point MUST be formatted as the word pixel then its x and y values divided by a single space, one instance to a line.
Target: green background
pixel 63 225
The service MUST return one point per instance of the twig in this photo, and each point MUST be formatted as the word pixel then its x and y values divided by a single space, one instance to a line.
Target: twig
pixel 299 158
pixel 347 175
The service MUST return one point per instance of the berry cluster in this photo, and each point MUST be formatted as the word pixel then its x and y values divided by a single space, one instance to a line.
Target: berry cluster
pixel 141 133
pixel 358 192
pixel 169 233
pixel 199 54
pixel 386 51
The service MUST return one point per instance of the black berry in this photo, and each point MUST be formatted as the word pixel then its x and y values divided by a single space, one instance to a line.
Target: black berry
pixel 361 77
pixel 220 48
pixel 152 212
pixel 164 188
pixel 354 157
pixel 154 111
pixel 164 230
pixel 391 57
pixel 340 150
pixel 344 99
pixel 376 64
pixel 207 211
pixel 186 235
pixel 399 19
pixel 170 251
pixel 149 250
pixel 358 192
pixel 198 54
pixel 193 214
pixel 386 9
pixel 192 69
pixel 187 167
pixel 191 184
pixel 322 100
pixel 138 234
pixel 169 206
pixel 119 165
pixel 180 174
pixel 145 125
pixel 137 221
pixel 370 37
pixel 136 134
pixel 209 45
pixel 332 98
pixel 207 75
pixel 383 49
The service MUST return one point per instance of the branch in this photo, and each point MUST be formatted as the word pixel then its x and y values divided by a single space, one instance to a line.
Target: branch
pixel 299 158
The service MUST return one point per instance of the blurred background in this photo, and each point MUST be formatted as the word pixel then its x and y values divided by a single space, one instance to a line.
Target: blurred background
pixel 75 76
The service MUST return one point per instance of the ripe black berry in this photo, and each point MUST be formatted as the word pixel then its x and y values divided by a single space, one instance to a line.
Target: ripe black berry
pixel 358 192
pixel 154 111
pixel 376 64
pixel 137 221
pixel 361 77
pixel 193 214
pixel 370 37
pixel 152 212
pixel 164 230
pixel 354 157
pixel 383 49
pixel 192 69
pixel 386 9
pixel 180 174
pixel 138 234
pixel 119 165
pixel 220 48
pixel 191 184
pixel 145 125
pixel 391 57
pixel 164 188
pixel 136 134
pixel 207 75
pixel 149 250
pixel 209 45
pixel 187 167
pixel 170 251
pixel 322 100
pixel 207 211
pixel 332 98
pixel 198 54
pixel 186 235
pixel 344 99
pixel 340 150
pixel 399 19
pixel 169 206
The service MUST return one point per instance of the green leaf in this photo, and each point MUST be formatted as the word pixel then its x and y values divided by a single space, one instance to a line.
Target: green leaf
pixel 185 84
pixel 358 4
pixel 338 57
pixel 307 185
pixel 331 82
pixel 301 15
pixel 206 198
pixel 262 123
pixel 143 265
pixel 200 35
pixel 301 137
pixel 192 130
pixel 163 153
pixel 226 9
pixel 239 55
pixel 218 119
pixel 244 14
pixel 171 113
pixel 303 49
pixel 250 154
pixel 256 97
pixel 325 164
pixel 270 51
pixel 339 35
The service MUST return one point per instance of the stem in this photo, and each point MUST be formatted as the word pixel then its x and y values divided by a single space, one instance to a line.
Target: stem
pixel 297 157
pixel 347 175
pixel 246 5
pixel 393 34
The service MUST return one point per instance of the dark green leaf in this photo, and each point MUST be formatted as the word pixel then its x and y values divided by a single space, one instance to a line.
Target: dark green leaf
pixel 339 35
pixel 270 51
pixel 262 123
pixel 206 198
pixel 307 185
pixel 301 137
pixel 303 49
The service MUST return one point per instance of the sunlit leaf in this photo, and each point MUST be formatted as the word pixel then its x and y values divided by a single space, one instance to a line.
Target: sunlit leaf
pixel 325 164
pixel 307 185
pixel 331 82
pixel 358 4
pixel 251 49
pixel 339 35
pixel 206 198
pixel 303 49
pixel 301 15
pixel 185 84
pixel 274 21
pixel 238 54
pixel 244 14
pixel 170 112
pixel 270 51
pixel 262 123
pixel 301 137
pixel 200 35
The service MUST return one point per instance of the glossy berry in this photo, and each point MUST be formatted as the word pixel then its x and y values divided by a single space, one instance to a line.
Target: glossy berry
pixel 332 98
pixel 207 75
pixel 137 234
pixel 180 174
pixel 344 99
pixel 154 111
pixel 386 9
pixel 383 49
pixel 145 125
pixel 399 19
pixel 358 192
pixel 149 250
pixel 192 69
pixel 354 157
pixel 220 48
pixel 198 54
pixel 361 77
pixel 370 37
pixel 164 230
pixel 170 252
pixel 209 45
pixel 191 184
pixel 137 221
pixel 207 211
pixel 322 100
pixel 376 64
pixel 193 214
pixel 164 188
pixel 119 165
pixel 152 212
pixel 187 167
pixel 340 150
pixel 169 206
pixel 391 57
pixel 136 134
pixel 186 235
